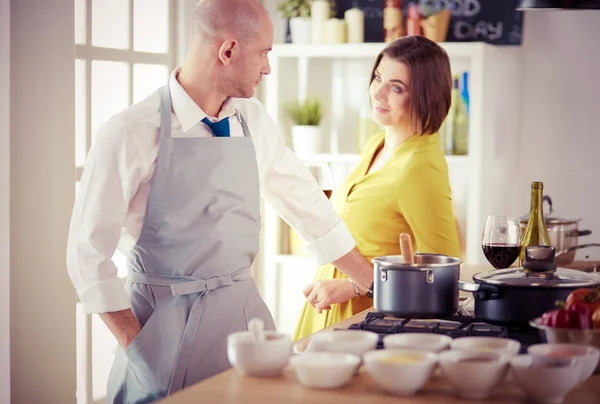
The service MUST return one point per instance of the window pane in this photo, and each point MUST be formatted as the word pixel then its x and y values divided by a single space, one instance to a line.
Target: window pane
pixel 151 26
pixel 110 89
pixel 80 21
pixel 147 78
pixel 80 110
pixel 110 23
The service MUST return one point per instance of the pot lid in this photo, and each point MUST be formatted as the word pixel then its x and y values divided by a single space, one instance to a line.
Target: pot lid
pixel 550 220
pixel 520 277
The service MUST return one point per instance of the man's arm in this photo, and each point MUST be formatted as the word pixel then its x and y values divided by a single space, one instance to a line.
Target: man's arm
pixel 357 268
pixel 123 324
pixel 296 196
pixel 109 180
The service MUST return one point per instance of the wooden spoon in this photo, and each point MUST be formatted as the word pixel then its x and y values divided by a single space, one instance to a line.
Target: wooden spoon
pixel 406 249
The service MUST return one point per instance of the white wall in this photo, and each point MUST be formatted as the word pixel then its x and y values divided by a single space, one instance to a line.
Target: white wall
pixel 560 126
pixel 4 202
pixel 42 173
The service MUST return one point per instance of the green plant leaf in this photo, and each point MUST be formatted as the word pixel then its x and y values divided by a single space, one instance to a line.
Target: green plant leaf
pixel 306 112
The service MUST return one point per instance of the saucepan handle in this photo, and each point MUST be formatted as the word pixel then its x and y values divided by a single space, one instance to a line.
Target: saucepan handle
pixel 468 286
pixel 480 291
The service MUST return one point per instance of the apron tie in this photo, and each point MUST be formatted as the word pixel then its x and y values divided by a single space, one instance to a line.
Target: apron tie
pixel 186 285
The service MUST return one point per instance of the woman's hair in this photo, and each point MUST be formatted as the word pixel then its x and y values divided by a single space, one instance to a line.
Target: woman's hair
pixel 430 82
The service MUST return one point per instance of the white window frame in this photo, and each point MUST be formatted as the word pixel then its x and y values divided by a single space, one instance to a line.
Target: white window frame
pixel 88 53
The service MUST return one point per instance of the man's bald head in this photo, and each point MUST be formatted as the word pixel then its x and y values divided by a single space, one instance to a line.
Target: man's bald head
pixel 225 19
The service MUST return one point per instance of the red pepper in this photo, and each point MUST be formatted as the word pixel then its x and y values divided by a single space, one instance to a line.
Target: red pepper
pixel 596 318
pixel 584 301
pixel 564 318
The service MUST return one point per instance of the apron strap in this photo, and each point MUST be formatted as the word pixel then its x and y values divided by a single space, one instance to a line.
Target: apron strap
pixel 165 112
pixel 245 129
pixel 185 285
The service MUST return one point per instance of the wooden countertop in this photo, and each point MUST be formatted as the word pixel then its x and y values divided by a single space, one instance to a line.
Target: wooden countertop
pixel 232 387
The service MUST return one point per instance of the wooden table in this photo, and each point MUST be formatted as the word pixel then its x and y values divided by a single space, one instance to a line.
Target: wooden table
pixel 232 387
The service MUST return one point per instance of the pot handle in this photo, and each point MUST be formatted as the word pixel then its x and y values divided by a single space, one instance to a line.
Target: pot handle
pixel 548 200
pixel 576 247
pixel 582 233
pixel 429 277
pixel 480 291
pixel 468 286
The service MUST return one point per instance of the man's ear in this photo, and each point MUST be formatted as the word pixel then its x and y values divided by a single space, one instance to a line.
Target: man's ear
pixel 228 51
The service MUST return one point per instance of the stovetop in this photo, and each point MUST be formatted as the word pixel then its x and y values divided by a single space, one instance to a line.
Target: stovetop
pixel 456 326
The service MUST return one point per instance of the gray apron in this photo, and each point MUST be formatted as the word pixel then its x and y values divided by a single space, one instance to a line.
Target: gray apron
pixel 189 273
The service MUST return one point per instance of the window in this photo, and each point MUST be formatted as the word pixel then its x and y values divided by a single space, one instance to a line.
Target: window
pixel 124 51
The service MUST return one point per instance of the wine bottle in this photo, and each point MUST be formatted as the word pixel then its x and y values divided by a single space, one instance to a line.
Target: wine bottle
pixel 460 120
pixel 535 233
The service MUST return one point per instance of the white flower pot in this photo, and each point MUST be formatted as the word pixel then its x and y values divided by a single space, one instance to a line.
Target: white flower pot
pixel 300 30
pixel 307 139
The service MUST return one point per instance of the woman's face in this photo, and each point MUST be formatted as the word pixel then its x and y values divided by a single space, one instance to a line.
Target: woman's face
pixel 389 93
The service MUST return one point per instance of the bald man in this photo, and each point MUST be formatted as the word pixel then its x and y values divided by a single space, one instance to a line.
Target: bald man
pixel 174 182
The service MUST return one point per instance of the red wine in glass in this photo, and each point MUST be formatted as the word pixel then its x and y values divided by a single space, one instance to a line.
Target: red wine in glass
pixel 501 240
pixel 501 255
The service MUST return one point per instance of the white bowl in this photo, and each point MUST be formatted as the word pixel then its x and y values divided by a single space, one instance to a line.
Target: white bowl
pixel 553 335
pixel 506 346
pixel 418 340
pixel 588 355
pixel 324 370
pixel 259 358
pixel 356 342
pixel 544 383
pixel 390 370
pixel 473 373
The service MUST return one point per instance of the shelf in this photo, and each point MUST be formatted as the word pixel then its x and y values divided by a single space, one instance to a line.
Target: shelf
pixel 451 159
pixel 366 50
pixel 355 158
pixel 289 259
pixel 331 157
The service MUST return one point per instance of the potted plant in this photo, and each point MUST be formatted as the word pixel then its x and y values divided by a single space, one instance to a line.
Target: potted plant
pixel 298 14
pixel 306 132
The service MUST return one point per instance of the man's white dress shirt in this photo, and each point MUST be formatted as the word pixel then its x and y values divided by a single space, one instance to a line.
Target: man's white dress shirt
pixel 109 210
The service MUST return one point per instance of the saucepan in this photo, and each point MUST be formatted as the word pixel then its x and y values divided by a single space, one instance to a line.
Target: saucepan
pixel 564 233
pixel 418 285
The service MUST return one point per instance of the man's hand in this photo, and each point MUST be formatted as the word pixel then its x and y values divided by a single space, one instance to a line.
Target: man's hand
pixel 123 324
pixel 322 294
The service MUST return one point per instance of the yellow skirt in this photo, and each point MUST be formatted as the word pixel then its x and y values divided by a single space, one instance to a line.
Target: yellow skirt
pixel 311 321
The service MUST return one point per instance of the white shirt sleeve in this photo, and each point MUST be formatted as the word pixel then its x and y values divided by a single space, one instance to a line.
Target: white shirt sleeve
pixel 296 196
pixel 110 178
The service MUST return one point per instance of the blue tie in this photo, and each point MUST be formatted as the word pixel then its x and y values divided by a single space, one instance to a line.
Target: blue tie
pixel 220 128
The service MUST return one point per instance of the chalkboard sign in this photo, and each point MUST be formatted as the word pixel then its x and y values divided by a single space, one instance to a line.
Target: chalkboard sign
pixel 491 21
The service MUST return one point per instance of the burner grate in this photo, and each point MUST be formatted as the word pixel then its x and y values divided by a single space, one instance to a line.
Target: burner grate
pixel 455 327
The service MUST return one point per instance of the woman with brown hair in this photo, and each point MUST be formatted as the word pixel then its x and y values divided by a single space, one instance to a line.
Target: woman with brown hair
pixel 401 183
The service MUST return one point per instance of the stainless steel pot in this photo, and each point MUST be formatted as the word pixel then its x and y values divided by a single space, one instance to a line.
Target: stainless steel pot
pixel 427 288
pixel 564 233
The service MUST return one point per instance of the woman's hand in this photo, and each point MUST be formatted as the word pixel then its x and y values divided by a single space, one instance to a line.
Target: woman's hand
pixel 322 294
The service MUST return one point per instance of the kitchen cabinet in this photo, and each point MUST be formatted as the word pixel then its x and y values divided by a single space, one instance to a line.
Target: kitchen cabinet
pixel 339 75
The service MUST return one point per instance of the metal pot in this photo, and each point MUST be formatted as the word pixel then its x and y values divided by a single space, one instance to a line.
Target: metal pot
pixel 426 289
pixel 515 296
pixel 564 233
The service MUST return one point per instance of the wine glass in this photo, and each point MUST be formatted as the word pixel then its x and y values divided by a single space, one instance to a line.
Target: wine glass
pixel 320 170
pixel 501 240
